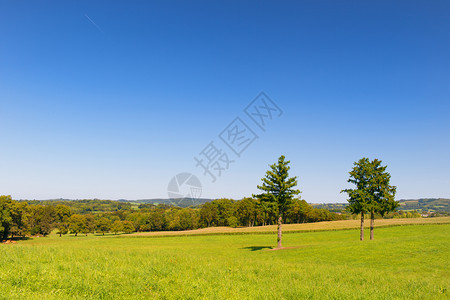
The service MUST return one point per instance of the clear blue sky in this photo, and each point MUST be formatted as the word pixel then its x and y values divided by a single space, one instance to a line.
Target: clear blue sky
pixel 111 99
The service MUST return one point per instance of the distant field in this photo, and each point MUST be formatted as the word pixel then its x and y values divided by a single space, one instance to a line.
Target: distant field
pixel 403 262
pixel 320 226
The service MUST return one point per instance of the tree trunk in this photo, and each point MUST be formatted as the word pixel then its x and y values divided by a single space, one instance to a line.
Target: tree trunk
pixel 372 220
pixel 280 221
pixel 60 234
pixel 362 227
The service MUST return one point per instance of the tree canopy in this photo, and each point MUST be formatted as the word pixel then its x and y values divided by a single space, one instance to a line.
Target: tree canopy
pixel 279 189
pixel 373 193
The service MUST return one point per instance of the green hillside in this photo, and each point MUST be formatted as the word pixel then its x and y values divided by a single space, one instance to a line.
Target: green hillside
pixel 440 205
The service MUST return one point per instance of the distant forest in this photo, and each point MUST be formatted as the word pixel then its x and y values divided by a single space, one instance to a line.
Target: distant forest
pixel 427 205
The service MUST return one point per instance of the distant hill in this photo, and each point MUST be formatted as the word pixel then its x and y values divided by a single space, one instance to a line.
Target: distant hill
pixel 181 202
pixel 421 205
pixel 427 204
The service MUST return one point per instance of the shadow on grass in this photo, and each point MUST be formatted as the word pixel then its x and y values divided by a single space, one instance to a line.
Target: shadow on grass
pixel 21 238
pixel 257 248
pixel 15 239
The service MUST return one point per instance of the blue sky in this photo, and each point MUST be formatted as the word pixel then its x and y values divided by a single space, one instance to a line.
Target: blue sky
pixel 111 99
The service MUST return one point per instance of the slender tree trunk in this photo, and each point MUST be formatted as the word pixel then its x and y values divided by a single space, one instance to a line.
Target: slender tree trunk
pixel 60 234
pixel 372 220
pixel 280 221
pixel 362 227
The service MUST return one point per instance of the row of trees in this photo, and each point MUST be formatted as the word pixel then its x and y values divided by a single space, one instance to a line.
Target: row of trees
pixel 255 212
pixel 372 194
pixel 91 223
pixel 18 218
pixel 86 206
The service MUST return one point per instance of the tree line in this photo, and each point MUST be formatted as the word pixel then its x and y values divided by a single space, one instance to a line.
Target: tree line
pixel 22 218
pixel 86 206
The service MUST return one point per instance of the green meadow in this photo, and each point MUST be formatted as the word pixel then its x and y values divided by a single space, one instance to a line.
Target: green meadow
pixel 403 262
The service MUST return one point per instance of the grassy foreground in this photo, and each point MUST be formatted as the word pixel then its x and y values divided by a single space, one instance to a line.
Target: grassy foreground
pixel 403 262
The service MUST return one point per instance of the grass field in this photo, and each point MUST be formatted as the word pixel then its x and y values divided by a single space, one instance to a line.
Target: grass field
pixel 403 262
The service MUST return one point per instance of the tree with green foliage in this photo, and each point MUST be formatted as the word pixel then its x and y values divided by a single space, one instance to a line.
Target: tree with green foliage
pixel 383 193
pixel 156 220
pixel 103 225
pixel 63 214
pixel 299 211
pixel 5 217
pixel 117 226
pixel 19 215
pixel 278 188
pixel 63 228
pixel 139 220
pixel 225 210
pixel 182 219
pixel 373 193
pixel 127 226
pixel 232 222
pixel 42 219
pixel 246 211
pixel 90 224
pixel 77 224
pixel 208 213
pixel 267 212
